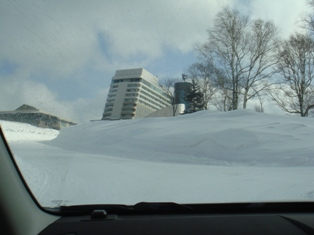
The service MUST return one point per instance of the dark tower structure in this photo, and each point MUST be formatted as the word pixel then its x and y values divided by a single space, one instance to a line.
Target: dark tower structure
pixel 180 90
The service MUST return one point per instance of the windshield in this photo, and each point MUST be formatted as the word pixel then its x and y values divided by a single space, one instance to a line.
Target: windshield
pixel 119 102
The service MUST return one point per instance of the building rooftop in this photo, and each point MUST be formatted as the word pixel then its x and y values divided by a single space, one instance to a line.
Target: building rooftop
pixel 136 73
pixel 30 109
pixel 26 107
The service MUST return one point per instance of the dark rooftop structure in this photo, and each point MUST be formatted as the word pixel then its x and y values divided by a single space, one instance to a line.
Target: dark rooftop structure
pixel 31 115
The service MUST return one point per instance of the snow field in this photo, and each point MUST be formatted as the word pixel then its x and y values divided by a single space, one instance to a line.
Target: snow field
pixel 238 156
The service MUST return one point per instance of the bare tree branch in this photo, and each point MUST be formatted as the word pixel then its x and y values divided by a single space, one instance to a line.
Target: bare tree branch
pixel 167 85
pixel 243 50
pixel 296 67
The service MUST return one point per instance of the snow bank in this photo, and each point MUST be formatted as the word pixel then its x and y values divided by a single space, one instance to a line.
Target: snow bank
pixel 238 156
pixel 237 137
pixel 16 131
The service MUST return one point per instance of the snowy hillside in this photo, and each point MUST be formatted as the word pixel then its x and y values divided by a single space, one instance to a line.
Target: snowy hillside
pixel 241 136
pixel 16 131
pixel 237 156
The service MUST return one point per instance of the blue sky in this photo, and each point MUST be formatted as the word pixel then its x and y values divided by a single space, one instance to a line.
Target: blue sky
pixel 60 56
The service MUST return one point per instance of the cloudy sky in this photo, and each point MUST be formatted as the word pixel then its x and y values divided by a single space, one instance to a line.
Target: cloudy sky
pixel 60 56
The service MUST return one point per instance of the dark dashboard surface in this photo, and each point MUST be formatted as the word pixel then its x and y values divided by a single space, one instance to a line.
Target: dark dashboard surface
pixel 185 224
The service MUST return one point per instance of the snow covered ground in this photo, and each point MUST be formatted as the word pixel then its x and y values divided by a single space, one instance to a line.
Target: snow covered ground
pixel 238 156
pixel 17 132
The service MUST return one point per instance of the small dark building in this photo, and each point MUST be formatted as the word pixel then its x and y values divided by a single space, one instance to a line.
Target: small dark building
pixel 35 117
pixel 180 90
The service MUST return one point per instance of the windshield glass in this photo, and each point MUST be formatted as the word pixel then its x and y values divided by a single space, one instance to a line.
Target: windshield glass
pixel 118 102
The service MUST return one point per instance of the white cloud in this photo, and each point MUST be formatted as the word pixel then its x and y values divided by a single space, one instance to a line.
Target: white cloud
pixel 61 36
pixel 286 13
pixel 15 92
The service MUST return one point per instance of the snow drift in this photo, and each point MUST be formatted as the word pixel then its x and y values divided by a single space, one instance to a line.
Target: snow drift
pixel 238 156
pixel 205 137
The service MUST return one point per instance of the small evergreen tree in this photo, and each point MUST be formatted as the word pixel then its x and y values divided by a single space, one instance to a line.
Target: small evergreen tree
pixel 194 98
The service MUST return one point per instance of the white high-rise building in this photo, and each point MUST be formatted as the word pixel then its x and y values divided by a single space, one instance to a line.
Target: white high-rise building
pixel 134 93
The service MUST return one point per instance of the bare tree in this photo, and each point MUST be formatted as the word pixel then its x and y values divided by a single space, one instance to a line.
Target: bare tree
pixel 262 59
pixel 167 85
pixel 217 88
pixel 295 94
pixel 308 20
pixel 244 50
pixel 258 107
pixel 226 46
pixel 223 100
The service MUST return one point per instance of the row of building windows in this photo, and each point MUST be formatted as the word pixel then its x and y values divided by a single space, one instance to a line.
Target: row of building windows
pixel 128 110
pixel 162 99
pixel 131 95
pixel 130 100
pixel 134 85
pixel 108 109
pixel 146 104
pixel 154 88
pixel 127 115
pixel 132 90
pixel 150 98
pixel 158 99
pixel 113 90
pixel 129 105
pixel 152 104
pixel 126 80
pixel 108 106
